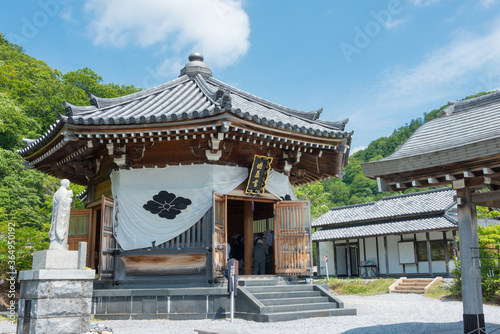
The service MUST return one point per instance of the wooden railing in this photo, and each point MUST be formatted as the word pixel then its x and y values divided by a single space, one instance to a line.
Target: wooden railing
pixel 191 238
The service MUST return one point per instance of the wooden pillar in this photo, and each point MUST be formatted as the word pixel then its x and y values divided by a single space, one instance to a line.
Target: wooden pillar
pixel 364 250
pixel 348 258
pixel 378 256
pixel 318 257
pixel 416 253
pixel 471 275
pixel 335 258
pixel 404 268
pixel 248 238
pixel 429 255
pixel 386 257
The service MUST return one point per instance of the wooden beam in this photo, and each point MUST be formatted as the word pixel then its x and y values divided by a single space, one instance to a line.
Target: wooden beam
pixel 492 180
pixel 491 198
pixel 450 177
pixel 382 184
pixel 488 171
pixel 432 180
pixel 472 183
pixel 469 174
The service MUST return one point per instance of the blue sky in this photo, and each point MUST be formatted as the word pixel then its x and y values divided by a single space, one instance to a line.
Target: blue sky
pixel 378 63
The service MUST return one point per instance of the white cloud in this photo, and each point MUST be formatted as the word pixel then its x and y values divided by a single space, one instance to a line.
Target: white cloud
pixel 423 2
pixel 356 149
pixel 462 58
pixel 219 29
pixel 487 3
pixel 392 24
pixel 67 14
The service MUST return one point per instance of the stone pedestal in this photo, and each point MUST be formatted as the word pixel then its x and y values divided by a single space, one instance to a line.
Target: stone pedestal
pixel 55 296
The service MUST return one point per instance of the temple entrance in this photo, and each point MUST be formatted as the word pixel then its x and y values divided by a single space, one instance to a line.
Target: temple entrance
pixel 244 227
pixel 284 228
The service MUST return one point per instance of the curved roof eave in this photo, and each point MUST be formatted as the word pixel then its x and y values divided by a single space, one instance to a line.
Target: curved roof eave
pixel 188 98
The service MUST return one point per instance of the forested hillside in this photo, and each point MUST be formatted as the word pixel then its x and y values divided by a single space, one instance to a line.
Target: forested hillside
pixel 31 96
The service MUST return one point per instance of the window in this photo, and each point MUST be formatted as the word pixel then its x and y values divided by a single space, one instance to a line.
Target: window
pixel 437 250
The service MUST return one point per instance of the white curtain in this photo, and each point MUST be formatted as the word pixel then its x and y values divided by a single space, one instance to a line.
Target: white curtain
pixel 144 212
pixel 158 204
pixel 278 185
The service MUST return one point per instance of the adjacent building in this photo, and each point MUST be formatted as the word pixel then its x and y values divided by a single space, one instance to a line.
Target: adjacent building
pixel 391 237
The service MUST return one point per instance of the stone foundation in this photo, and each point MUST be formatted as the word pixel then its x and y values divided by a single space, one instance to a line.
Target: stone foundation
pixel 55 300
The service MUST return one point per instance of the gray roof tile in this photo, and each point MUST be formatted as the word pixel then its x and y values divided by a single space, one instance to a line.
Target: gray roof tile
pixel 466 130
pixel 429 223
pixel 191 97
pixel 426 202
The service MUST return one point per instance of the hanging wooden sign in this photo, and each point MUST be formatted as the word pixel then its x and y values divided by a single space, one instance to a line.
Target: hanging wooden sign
pixel 258 175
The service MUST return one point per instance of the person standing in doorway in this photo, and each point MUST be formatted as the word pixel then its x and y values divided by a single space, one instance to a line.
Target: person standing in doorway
pixel 259 258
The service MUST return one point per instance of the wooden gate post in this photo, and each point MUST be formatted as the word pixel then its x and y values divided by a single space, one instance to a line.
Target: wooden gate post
pixel 471 275
pixel 248 238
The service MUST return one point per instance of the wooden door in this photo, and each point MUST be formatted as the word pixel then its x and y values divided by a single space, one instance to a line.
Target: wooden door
pixel 80 231
pixel 292 237
pixel 219 233
pixel 108 243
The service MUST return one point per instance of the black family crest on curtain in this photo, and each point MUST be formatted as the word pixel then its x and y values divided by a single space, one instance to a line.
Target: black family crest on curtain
pixel 167 205
pixel 258 175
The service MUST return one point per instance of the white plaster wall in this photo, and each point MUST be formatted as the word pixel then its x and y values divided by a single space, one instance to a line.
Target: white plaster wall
pixel 436 235
pixel 439 266
pixel 371 250
pixel 393 250
pixel 421 237
pixel 424 267
pixel 326 248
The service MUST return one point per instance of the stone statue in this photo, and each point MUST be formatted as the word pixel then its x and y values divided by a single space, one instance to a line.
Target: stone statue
pixel 61 208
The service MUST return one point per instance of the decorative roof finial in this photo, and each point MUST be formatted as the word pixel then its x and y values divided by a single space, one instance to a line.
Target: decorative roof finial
pixel 195 56
pixel 196 66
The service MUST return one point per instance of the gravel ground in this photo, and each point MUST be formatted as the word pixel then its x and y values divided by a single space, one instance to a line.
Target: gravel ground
pixel 384 314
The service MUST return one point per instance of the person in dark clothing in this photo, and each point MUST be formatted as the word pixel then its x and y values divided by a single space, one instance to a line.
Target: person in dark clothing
pixel 259 258
pixel 269 261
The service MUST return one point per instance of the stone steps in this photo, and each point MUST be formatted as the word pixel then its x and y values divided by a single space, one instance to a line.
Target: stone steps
pixel 415 285
pixel 279 301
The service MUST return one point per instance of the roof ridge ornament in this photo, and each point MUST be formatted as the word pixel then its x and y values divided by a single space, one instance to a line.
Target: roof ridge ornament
pixel 196 66
pixel 223 97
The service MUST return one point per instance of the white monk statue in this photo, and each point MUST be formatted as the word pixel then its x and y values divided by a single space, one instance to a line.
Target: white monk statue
pixel 61 208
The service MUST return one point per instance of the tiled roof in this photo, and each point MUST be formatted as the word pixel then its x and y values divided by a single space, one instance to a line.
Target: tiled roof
pixel 426 202
pixel 429 223
pixel 466 130
pixel 190 97
pixel 478 118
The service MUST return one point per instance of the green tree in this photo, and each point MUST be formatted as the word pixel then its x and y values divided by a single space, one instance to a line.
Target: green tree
pixel 315 193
